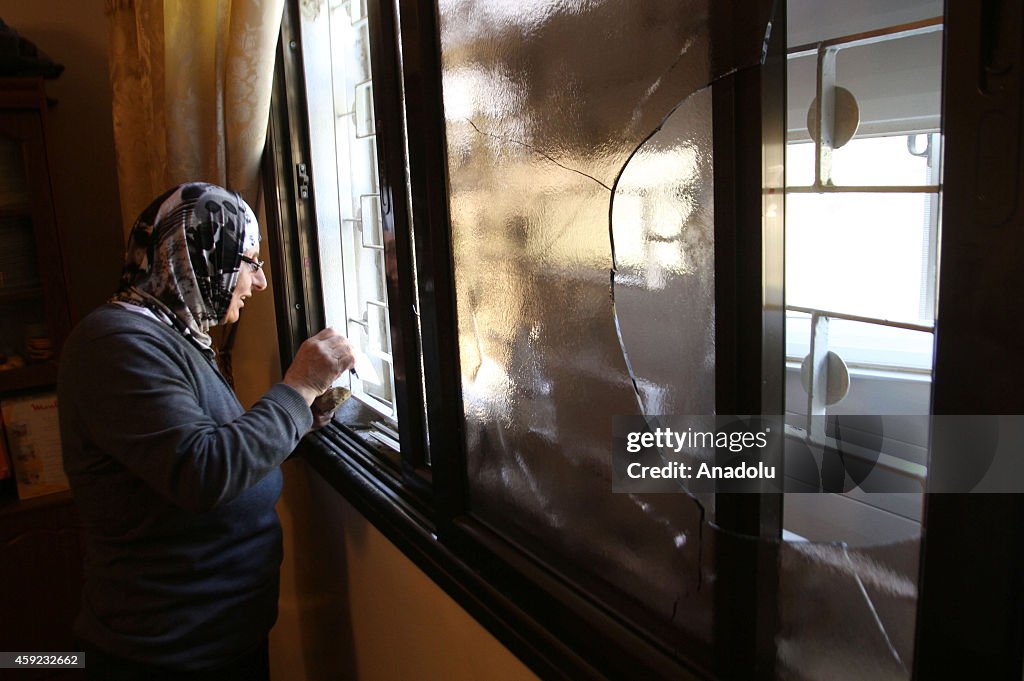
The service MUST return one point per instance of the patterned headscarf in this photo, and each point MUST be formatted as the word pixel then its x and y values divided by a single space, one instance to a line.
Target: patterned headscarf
pixel 183 256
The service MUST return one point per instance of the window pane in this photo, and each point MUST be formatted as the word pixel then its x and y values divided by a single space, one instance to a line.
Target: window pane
pixel 882 161
pixel 862 254
pixel 849 594
pixel 581 206
pixel 865 346
pixel 813 20
pixel 339 92
pixel 896 83
pixel 556 174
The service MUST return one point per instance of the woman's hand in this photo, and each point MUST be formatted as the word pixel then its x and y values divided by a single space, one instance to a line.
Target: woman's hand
pixel 325 405
pixel 318 363
pixel 321 418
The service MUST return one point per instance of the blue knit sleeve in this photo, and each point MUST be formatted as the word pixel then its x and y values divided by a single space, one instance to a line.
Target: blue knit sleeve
pixel 173 423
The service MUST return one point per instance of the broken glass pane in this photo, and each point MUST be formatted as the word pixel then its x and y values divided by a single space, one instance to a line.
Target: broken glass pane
pixel 543 131
pixel 662 227
pixel 846 613
pixel 580 151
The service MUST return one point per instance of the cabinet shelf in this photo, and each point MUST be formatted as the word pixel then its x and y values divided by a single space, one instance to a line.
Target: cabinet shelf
pixel 19 209
pixel 18 294
pixel 11 505
pixel 42 375
pixel 40 555
pixel 33 294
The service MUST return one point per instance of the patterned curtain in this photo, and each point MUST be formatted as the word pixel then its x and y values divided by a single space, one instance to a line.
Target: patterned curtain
pixel 191 83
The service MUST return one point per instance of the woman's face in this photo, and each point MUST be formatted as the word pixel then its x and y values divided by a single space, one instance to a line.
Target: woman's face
pixel 248 281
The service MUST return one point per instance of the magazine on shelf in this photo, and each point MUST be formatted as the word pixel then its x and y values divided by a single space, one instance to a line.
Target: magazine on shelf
pixel 33 441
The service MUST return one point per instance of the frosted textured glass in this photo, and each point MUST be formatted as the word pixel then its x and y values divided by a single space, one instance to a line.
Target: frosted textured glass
pixel 579 140
pixel 579 143
pixel 662 227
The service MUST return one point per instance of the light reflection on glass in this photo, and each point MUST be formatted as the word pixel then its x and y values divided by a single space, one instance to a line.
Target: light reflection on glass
pixel 581 202
pixel 541 127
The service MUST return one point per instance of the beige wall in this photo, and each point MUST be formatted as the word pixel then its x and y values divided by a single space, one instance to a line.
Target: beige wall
pixel 352 606
pixel 361 609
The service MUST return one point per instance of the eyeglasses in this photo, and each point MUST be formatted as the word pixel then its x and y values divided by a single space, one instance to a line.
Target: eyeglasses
pixel 254 264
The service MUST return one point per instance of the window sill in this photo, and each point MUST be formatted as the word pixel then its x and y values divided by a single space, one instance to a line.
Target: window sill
pixel 543 620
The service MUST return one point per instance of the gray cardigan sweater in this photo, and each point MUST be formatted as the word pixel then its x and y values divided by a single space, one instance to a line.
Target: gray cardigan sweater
pixel 175 484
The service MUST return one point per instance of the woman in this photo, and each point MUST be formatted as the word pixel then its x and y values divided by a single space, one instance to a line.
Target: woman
pixel 174 481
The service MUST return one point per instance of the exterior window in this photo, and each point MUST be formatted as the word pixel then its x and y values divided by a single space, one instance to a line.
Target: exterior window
pixel 535 217
pixel 352 182
pixel 343 148
pixel 564 251
pixel 862 215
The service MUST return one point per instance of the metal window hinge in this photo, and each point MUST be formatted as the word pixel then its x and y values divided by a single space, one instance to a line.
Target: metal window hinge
pixel 302 180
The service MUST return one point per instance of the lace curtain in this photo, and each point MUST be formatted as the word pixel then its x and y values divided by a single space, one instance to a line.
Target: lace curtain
pixel 191 83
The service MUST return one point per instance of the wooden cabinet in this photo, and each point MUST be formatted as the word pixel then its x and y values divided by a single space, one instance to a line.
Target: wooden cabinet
pixel 40 580
pixel 40 547
pixel 34 318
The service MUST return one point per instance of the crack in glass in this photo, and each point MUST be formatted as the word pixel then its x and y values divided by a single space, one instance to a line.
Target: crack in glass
pixel 579 139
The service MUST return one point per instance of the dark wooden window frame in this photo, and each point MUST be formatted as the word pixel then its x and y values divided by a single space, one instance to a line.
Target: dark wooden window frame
pixel 554 623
